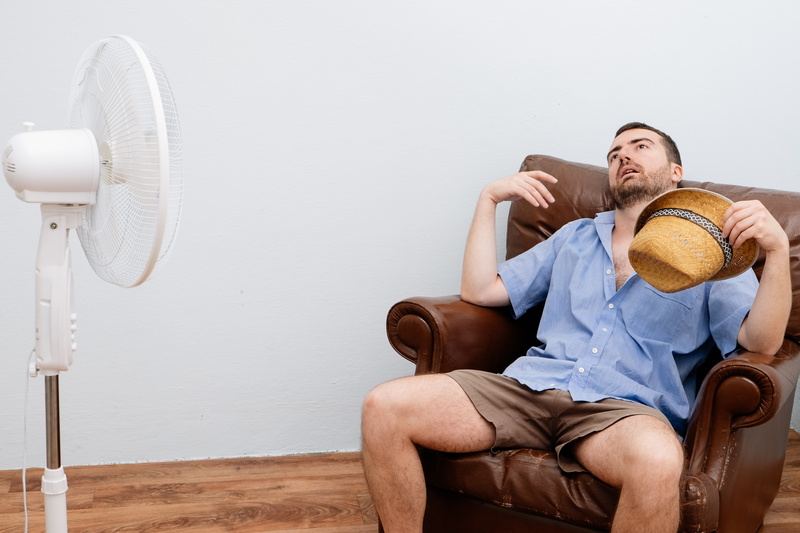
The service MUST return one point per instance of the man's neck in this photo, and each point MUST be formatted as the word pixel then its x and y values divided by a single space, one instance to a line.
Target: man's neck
pixel 625 218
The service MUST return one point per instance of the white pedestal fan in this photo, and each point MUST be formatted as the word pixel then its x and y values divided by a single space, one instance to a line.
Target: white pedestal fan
pixel 114 176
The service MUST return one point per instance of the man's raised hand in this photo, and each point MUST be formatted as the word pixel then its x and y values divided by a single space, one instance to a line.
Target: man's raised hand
pixel 523 185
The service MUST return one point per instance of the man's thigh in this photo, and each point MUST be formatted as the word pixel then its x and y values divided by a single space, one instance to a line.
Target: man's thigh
pixel 434 412
pixel 628 447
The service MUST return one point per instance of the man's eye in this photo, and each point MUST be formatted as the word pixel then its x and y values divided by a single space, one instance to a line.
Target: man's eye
pixel 642 145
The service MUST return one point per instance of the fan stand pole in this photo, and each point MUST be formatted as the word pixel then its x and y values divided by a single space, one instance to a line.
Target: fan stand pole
pixel 55 326
pixel 54 481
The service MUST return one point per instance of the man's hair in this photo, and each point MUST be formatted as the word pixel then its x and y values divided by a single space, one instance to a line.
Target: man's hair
pixel 673 155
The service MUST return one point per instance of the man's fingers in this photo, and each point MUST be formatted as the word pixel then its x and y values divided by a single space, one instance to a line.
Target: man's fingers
pixel 540 195
pixel 539 175
pixel 751 220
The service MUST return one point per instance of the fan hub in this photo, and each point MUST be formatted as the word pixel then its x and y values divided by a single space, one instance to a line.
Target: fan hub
pixel 106 163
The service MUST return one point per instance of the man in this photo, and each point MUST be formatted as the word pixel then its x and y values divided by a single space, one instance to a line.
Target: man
pixel 616 354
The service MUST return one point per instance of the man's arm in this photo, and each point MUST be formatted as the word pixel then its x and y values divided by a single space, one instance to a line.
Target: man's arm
pixel 763 329
pixel 480 283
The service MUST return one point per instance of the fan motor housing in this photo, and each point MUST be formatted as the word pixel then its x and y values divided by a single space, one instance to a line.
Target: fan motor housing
pixel 53 167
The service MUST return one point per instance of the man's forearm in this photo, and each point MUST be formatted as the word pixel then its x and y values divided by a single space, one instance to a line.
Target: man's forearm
pixel 480 283
pixel 764 327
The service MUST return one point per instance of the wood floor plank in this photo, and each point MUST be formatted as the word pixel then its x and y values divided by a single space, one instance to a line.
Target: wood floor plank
pixel 175 493
pixel 783 511
pixel 247 516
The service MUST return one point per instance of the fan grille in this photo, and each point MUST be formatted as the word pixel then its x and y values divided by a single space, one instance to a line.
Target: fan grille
pixel 120 92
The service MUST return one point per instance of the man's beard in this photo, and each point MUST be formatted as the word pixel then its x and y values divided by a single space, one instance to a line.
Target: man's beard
pixel 641 189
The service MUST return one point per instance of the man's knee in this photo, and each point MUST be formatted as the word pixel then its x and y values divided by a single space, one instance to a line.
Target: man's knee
pixel 668 461
pixel 384 405
pixel 378 403
pixel 658 456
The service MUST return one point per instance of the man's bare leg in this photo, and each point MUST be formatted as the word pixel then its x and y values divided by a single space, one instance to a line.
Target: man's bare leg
pixel 428 410
pixel 642 456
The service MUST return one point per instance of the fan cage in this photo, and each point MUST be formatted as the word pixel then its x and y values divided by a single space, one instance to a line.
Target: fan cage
pixel 121 93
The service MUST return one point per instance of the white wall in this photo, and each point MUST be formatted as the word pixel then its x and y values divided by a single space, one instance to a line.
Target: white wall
pixel 333 155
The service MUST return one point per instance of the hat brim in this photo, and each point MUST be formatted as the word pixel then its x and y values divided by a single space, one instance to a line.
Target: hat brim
pixel 712 206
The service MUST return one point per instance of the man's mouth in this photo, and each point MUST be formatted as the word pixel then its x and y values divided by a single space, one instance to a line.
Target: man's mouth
pixel 627 171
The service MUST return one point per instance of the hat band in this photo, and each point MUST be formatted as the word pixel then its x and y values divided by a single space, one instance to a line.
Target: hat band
pixel 701 221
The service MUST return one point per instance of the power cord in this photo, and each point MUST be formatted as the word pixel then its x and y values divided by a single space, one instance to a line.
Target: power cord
pixel 25 440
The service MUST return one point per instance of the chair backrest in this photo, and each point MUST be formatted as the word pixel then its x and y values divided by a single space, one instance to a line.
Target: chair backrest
pixel 582 191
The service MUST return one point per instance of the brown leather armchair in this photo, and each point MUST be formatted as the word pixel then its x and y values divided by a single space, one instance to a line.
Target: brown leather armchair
pixel 737 436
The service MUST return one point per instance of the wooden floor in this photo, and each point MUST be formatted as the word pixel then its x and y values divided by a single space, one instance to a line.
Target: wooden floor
pixel 325 493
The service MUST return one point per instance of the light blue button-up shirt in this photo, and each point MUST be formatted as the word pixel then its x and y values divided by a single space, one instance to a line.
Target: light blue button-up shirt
pixel 635 343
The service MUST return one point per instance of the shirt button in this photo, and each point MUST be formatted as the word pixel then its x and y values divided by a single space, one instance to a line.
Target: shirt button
pixel 611 306
pixel 608 271
pixel 594 350
pixel 581 370
pixel 605 329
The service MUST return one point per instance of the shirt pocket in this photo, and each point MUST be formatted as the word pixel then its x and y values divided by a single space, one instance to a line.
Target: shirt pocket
pixel 657 316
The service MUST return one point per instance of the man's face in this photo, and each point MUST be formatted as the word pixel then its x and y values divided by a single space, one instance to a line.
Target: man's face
pixel 638 168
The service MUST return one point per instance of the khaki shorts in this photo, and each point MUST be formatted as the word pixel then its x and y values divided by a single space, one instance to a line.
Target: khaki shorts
pixel 546 420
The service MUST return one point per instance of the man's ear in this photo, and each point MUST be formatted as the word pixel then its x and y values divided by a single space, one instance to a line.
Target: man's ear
pixel 677 173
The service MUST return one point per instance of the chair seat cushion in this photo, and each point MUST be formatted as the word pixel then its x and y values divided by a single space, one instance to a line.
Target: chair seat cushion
pixel 531 481
pixel 524 479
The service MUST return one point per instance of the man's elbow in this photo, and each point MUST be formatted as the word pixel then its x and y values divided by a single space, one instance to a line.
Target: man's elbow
pixel 766 346
pixel 472 297
pixel 772 348
pixel 484 298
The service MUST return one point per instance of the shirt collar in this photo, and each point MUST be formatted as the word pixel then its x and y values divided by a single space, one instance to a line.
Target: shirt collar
pixel 606 217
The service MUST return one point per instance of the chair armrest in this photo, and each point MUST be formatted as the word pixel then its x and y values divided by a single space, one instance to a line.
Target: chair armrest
pixel 445 333
pixel 745 390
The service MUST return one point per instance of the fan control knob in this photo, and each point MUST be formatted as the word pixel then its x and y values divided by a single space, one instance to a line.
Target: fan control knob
pixel 73 327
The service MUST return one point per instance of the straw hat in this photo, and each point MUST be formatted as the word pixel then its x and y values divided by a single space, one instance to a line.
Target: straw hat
pixel 678 241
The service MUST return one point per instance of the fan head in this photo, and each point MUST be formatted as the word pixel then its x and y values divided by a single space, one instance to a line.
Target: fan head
pixel 120 93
